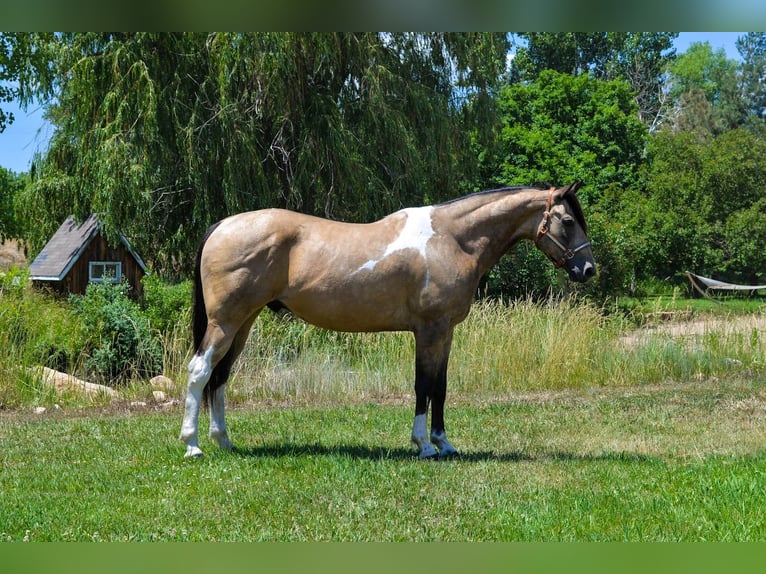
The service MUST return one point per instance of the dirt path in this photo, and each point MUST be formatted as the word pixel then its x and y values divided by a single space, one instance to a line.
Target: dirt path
pixel 692 327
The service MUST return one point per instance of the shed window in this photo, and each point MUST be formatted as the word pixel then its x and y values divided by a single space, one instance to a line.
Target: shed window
pixel 100 271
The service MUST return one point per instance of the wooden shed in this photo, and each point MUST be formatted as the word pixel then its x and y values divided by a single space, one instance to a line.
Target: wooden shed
pixel 79 254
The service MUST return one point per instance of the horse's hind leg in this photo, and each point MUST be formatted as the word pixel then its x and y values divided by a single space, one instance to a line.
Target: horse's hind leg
pixel 218 432
pixel 200 369
pixel 214 346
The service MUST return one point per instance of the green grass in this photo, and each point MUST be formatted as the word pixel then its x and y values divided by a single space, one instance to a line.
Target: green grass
pixel 498 350
pixel 568 429
pixel 674 462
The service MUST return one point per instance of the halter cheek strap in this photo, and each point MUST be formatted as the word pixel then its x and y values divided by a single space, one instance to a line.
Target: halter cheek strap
pixel 545 226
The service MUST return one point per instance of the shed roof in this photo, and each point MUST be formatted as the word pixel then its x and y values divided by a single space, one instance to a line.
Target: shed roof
pixel 65 247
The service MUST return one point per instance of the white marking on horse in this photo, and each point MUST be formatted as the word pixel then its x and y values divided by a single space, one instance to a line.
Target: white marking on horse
pixel 420 438
pixel 441 442
pixel 200 369
pixel 415 234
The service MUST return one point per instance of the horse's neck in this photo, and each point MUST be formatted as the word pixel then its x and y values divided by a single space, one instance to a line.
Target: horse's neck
pixel 488 226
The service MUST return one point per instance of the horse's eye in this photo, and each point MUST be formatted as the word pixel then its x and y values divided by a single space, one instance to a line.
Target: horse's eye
pixel 568 220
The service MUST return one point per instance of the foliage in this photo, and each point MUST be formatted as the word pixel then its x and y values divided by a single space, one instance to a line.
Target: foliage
pixel 637 57
pixel 524 272
pixel 118 341
pixel 562 128
pixel 744 236
pixel 34 330
pixel 163 134
pixel 166 306
pixel 752 49
pixel 24 70
pixel 104 336
pixel 704 83
pixel 703 184
pixel 11 185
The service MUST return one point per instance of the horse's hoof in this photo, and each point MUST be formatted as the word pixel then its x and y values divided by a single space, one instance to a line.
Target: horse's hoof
pixel 193 452
pixel 428 452
pixel 449 455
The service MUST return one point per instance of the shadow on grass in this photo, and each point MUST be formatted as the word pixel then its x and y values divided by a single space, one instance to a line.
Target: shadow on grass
pixel 396 454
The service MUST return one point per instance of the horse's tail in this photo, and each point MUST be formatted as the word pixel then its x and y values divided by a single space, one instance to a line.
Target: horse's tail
pixel 199 325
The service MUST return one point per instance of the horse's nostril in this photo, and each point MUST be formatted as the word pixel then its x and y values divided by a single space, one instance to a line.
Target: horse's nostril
pixel 589 271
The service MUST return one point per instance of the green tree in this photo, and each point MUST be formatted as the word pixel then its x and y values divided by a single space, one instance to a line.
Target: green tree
pixel 704 85
pixel 641 58
pixel 733 170
pixel 744 238
pixel 674 219
pixel 163 134
pixel 752 49
pixel 25 73
pixel 700 194
pixel 558 129
pixel 11 185
pixel 561 128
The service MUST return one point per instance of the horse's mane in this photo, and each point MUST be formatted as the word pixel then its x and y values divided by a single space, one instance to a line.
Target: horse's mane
pixel 570 198
pixel 490 191
pixel 574 205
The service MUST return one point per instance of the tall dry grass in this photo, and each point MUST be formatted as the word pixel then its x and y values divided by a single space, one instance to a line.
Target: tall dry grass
pixel 500 349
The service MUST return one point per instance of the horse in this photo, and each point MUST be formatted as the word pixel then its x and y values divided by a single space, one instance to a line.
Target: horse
pixel 414 270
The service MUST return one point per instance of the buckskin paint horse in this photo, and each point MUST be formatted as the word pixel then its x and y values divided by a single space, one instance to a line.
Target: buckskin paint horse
pixel 414 270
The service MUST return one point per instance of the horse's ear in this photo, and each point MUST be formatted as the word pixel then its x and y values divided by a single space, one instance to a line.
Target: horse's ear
pixel 574 187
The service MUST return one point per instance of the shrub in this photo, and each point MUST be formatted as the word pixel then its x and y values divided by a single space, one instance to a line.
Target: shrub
pixel 166 306
pixel 118 341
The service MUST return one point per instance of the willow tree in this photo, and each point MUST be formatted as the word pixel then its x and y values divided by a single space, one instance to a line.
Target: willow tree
pixel 163 134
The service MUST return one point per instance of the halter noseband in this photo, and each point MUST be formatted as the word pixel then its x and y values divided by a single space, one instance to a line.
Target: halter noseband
pixel 545 226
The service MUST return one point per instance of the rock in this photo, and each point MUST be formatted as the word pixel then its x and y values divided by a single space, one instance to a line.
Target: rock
pixel 159 396
pixel 40 410
pixel 162 383
pixel 65 382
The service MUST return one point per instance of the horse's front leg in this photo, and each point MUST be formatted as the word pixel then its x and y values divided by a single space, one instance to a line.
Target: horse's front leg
pixel 438 432
pixel 432 349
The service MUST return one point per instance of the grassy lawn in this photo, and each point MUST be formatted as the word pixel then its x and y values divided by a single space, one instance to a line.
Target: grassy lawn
pixel 666 462
pixel 573 424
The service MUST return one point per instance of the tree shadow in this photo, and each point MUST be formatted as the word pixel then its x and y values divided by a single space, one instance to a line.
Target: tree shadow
pixel 363 452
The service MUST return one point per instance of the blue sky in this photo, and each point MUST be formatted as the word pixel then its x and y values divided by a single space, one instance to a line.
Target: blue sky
pixel 30 133
pixel 725 40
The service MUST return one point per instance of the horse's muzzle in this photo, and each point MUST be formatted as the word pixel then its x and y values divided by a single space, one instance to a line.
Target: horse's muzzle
pixel 581 273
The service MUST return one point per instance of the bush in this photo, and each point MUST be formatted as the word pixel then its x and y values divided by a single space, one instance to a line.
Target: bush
pixel 118 342
pixel 524 272
pixel 166 306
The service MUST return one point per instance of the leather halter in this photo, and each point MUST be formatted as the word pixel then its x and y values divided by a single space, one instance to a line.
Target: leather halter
pixel 545 226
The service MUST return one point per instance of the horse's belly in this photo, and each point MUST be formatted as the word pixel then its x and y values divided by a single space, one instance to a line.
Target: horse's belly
pixel 346 312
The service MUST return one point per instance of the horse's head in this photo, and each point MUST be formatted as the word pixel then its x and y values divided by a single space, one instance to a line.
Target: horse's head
pixel 563 234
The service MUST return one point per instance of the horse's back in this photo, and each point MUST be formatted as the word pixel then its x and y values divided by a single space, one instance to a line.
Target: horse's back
pixel 385 275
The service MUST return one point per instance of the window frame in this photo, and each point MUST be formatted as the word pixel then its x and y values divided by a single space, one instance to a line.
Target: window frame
pixel 104 264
